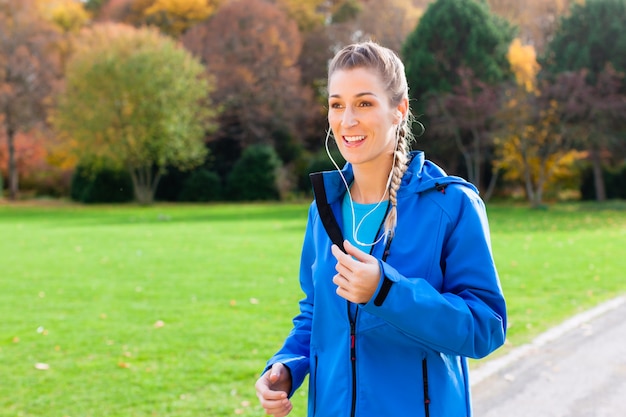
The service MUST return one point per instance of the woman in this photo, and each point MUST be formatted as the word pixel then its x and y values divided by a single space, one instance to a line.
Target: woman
pixel 391 313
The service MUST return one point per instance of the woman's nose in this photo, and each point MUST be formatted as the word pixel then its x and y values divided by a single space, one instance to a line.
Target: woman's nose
pixel 349 118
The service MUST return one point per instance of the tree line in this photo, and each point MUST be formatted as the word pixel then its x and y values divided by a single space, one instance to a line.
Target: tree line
pixel 202 100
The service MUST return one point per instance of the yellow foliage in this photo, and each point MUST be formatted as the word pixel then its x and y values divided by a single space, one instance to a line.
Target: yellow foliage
pixel 179 15
pixel 523 60
pixel 304 12
pixel 532 152
pixel 67 15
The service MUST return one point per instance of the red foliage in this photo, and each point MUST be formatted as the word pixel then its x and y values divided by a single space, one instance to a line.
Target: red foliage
pixel 37 175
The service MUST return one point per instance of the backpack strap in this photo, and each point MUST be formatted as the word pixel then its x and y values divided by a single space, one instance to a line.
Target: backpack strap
pixel 326 213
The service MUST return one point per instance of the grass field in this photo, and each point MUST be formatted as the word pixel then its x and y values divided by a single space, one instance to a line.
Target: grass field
pixel 172 310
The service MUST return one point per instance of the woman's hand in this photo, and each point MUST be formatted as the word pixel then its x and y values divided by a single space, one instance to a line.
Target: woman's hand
pixel 358 273
pixel 272 389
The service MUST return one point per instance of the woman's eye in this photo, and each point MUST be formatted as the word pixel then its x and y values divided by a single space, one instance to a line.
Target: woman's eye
pixel 365 104
pixel 336 106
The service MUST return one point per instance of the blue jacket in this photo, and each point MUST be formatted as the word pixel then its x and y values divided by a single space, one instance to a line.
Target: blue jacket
pixel 439 301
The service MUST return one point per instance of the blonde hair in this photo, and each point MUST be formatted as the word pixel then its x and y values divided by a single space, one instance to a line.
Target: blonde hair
pixel 389 67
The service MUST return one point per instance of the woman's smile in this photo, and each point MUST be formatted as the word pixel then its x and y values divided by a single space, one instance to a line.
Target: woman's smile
pixel 354 139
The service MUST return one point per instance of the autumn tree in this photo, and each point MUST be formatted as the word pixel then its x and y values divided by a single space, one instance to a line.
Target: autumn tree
pixel 306 13
pixel 537 20
pixel 28 75
pixel 456 38
pixel 466 114
pixel 172 17
pixel 388 22
pixel 136 99
pixel 533 147
pixel 592 38
pixel 592 114
pixel 175 17
pixel 67 15
pixel 252 49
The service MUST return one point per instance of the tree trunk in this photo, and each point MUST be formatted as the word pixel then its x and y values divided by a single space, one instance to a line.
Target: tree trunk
pixel 492 185
pixel 598 178
pixel 142 186
pixel 13 175
pixel 530 191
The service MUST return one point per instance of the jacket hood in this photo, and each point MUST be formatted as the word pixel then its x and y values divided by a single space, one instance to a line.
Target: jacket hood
pixel 421 176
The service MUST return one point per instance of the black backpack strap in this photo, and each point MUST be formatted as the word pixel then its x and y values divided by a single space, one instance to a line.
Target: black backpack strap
pixel 326 213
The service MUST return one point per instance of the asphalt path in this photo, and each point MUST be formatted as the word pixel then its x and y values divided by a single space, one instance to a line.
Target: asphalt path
pixel 577 369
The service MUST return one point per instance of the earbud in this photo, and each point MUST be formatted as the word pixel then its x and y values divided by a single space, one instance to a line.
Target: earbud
pixel 398 117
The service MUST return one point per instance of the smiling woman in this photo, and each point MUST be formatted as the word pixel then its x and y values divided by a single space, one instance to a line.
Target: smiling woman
pixel 363 122
pixel 391 313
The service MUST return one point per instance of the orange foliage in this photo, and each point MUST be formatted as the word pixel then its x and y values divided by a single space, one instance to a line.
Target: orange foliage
pixel 36 165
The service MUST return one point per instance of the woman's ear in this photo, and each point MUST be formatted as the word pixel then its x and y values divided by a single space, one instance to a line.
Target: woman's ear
pixel 402 110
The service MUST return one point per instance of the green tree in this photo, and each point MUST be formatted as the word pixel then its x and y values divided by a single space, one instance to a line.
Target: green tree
pixel 591 36
pixel 455 34
pixel 136 98
pixel 456 39
pixel 592 39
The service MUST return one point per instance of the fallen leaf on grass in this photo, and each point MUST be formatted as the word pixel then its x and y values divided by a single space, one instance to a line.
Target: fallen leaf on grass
pixel 42 366
pixel 124 365
pixel 159 324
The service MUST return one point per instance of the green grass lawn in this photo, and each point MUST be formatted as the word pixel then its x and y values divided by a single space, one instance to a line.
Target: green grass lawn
pixel 173 310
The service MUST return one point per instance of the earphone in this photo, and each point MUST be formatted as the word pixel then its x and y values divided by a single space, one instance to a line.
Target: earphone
pixel 355 227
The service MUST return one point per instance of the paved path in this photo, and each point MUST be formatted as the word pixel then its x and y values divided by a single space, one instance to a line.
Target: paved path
pixel 575 370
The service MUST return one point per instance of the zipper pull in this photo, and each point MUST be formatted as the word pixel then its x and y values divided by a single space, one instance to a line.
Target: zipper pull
pixel 352 342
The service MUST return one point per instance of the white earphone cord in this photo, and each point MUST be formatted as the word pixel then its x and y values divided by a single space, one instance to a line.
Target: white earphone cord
pixel 355 227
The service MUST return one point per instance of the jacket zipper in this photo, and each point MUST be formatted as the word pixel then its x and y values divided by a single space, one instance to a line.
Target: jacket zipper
pixel 353 357
pixel 425 383
pixel 353 321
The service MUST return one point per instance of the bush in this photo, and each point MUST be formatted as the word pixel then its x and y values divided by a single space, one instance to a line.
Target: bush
pixel 254 175
pixel 171 184
pixel 201 186
pixel 106 185
pixel 316 163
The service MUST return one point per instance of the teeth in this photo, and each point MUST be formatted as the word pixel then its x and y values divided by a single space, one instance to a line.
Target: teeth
pixel 354 138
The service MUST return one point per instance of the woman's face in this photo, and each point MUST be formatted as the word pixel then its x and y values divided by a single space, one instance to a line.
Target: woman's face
pixel 361 117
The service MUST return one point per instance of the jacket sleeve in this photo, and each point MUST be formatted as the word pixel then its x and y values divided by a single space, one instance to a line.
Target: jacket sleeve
pixel 468 316
pixel 295 352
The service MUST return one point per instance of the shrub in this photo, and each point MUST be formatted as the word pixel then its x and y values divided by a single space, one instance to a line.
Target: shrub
pixel 316 163
pixel 254 175
pixel 171 184
pixel 202 185
pixel 106 185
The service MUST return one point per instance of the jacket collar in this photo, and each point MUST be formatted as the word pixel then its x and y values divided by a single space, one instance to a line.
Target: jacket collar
pixel 420 176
